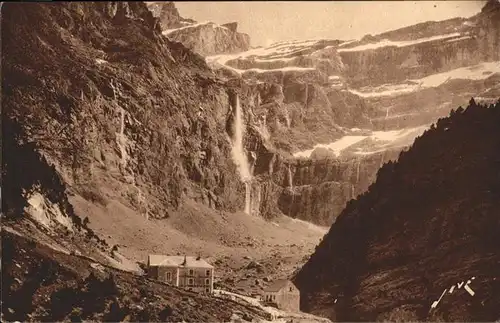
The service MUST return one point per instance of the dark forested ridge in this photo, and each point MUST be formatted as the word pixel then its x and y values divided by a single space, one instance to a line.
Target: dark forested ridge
pixel 430 220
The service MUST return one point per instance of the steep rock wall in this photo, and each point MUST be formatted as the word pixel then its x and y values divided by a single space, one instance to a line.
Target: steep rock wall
pixel 123 112
pixel 205 38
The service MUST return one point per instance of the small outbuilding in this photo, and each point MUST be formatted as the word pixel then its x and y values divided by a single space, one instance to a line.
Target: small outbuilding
pixel 283 294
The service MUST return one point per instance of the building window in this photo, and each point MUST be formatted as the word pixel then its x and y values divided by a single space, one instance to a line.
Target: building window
pixel 208 272
pixel 207 281
pixel 168 276
pixel 207 290
pixel 191 272
pixel 190 282
pixel 291 289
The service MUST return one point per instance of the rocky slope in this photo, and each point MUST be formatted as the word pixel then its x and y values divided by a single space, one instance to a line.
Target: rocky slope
pixel 41 284
pixel 429 222
pixel 204 38
pixel 123 113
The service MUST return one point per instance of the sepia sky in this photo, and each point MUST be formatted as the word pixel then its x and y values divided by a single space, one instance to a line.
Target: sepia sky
pixel 272 21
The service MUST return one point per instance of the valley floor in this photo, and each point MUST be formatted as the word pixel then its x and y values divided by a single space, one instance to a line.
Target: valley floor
pixel 247 251
pixel 51 276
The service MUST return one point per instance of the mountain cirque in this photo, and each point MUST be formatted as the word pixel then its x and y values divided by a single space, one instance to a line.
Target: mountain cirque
pixel 359 102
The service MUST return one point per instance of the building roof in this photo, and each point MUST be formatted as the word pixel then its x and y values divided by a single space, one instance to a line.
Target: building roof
pixel 178 261
pixel 277 285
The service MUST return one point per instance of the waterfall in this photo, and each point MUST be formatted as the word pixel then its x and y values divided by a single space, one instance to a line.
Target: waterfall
pixel 238 151
pixel 357 178
pixel 121 139
pixel 248 189
pixel 252 164
pixel 381 160
pixel 257 196
pixel 239 154
pixel 290 178
pixel 357 171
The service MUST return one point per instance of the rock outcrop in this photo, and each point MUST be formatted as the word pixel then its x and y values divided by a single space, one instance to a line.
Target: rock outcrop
pixel 429 222
pixel 209 38
pixel 203 38
pixel 168 15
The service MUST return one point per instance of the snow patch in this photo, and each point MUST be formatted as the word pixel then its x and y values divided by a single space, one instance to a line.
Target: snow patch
pixel 308 42
pixel 166 32
pixel 387 43
pixel 272 59
pixel 458 39
pixel 348 42
pixel 283 69
pixel 336 146
pixel 221 60
pixel 476 72
pixel 382 139
pixel 282 51
pixel 385 90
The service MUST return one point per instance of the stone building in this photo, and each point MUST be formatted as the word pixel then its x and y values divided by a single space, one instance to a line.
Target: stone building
pixel 283 294
pixel 182 271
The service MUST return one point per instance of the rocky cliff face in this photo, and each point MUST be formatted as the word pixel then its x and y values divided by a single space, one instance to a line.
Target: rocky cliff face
pixel 361 99
pixel 123 112
pixel 203 38
pixel 389 78
pixel 168 15
pixel 426 228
